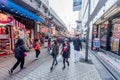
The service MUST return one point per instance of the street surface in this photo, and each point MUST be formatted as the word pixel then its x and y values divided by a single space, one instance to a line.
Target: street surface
pixel 40 69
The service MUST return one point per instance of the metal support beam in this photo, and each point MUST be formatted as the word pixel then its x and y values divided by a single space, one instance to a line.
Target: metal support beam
pixel 87 37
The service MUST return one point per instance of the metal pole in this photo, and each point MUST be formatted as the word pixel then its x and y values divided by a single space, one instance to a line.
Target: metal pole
pixel 87 37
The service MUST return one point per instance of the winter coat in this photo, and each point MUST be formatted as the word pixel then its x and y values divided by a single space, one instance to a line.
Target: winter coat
pixel 19 51
pixel 66 54
pixel 37 46
pixel 55 51
pixel 77 44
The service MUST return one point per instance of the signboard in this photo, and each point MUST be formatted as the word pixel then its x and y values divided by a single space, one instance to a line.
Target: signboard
pixel 115 45
pixel 96 43
pixel 4 19
pixel 4 36
pixel 116 31
pixel 77 5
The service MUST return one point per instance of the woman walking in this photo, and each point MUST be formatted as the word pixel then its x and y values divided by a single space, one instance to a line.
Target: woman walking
pixel 37 48
pixel 19 55
pixel 55 52
pixel 66 53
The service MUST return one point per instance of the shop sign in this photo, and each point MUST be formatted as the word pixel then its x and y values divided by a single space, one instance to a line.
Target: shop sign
pixel 115 45
pixel 116 31
pixel 96 42
pixel 4 19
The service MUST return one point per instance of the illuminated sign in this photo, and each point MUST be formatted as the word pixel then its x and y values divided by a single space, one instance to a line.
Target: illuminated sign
pixel 4 19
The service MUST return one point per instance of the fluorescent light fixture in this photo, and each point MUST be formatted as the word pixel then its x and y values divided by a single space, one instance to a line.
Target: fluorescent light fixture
pixel 113 12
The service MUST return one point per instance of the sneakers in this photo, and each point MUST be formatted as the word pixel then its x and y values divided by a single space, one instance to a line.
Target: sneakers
pixel 63 68
pixel 36 58
pixel 10 72
pixel 51 69
pixel 23 68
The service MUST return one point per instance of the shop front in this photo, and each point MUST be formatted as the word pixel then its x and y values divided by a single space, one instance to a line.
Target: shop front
pixel 5 33
pixel 115 36
pixel 16 22
pixel 10 30
pixel 109 35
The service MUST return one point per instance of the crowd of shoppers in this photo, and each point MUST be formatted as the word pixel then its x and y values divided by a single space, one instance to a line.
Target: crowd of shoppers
pixel 54 43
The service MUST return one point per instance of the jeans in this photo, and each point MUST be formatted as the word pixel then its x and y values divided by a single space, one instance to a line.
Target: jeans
pixel 37 53
pixel 76 55
pixel 19 60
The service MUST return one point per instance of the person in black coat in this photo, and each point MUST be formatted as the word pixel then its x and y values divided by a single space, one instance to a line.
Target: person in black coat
pixel 77 46
pixel 66 53
pixel 55 52
pixel 19 55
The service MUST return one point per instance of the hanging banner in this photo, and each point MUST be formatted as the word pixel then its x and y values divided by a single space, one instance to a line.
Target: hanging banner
pixel 77 5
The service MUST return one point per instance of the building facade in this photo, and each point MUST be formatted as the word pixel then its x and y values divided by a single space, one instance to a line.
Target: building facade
pixel 103 19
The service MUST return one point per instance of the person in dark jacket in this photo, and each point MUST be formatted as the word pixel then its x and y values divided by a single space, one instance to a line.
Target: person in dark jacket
pixel 77 46
pixel 19 55
pixel 66 53
pixel 55 52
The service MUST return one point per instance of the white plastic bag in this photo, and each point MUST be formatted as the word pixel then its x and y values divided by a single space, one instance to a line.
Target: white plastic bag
pixel 59 58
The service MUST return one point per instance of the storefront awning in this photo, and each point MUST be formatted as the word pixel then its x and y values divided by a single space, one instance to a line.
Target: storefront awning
pixel 11 7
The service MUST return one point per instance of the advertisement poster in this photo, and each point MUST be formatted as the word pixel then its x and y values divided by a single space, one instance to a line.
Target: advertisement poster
pixel 115 45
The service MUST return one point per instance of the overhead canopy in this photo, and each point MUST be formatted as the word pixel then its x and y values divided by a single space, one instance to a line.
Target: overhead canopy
pixel 11 7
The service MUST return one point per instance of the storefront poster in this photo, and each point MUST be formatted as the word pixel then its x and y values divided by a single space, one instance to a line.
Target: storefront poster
pixel 115 45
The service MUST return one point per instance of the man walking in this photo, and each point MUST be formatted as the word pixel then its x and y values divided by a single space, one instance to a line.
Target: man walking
pixel 77 46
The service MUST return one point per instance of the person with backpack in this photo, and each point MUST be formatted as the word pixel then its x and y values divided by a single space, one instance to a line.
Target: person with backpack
pixel 66 53
pixel 55 52
pixel 19 51
pixel 37 47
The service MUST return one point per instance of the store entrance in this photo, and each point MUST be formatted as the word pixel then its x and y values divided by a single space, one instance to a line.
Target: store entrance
pixel 5 39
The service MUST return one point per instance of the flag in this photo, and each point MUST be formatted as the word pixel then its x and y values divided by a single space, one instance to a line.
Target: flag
pixel 77 5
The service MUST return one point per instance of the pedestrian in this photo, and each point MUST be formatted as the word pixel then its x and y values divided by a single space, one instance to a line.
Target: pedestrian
pixel 55 52
pixel 58 40
pixel 19 51
pixel 77 46
pixel 49 45
pixel 66 53
pixel 37 48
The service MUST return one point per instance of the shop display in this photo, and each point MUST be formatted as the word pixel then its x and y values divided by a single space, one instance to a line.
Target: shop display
pixel 103 35
pixel 115 45
pixel 116 36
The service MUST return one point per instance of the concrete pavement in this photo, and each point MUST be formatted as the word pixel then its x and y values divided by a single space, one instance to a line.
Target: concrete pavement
pixel 40 69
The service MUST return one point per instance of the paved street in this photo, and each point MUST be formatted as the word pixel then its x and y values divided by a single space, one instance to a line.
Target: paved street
pixel 40 69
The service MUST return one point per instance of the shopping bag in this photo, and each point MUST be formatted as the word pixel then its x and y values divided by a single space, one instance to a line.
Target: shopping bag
pixel 59 58
pixel 50 51
pixel 25 54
